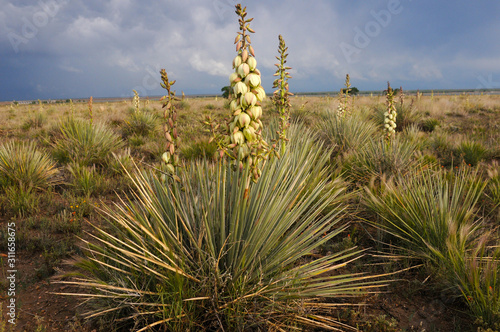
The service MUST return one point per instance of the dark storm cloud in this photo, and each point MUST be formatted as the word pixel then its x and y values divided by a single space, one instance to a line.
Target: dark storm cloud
pixel 64 49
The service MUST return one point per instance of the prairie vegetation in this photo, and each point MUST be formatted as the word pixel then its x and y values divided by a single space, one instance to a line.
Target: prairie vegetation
pixel 338 213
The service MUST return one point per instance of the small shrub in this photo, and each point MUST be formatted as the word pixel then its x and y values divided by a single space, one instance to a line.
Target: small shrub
pixel 21 201
pixel 86 180
pixel 136 140
pixel 470 152
pixel 36 121
pixel 199 150
pixel 429 125
pixel 477 275
pixel 183 105
pixel 140 123
pixel 429 212
pixel 493 188
pixel 85 143
pixel 346 133
pixel 25 166
pixel 443 147
pixel 408 115
pixel 120 162
pixel 380 158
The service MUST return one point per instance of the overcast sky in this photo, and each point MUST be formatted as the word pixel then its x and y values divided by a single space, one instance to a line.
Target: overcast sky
pixel 80 48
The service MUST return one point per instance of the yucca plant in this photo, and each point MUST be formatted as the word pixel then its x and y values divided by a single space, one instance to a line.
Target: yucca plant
pixel 25 166
pixel 477 274
pixel 140 123
pixel 21 201
pixel 470 152
pixel 493 189
pixel 429 212
pixel 346 133
pixel 120 162
pixel 377 158
pixel 207 254
pixel 85 179
pixel 84 142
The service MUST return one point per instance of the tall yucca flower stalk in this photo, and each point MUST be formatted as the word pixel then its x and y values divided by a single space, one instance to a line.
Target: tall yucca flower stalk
pixel 281 96
pixel 136 101
pixel 344 108
pixel 390 114
pixel 170 157
pixel 245 127
pixel 90 110
pixel 401 96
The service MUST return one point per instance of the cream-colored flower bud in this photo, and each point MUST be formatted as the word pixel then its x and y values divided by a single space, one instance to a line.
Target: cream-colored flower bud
pixel 244 120
pixel 240 88
pixel 237 61
pixel 232 78
pixel 253 80
pixel 250 134
pixel 255 125
pixel 243 70
pixel 256 112
pixel 260 93
pixel 248 99
pixel 234 105
pixel 166 157
pixel 238 138
pixel 252 63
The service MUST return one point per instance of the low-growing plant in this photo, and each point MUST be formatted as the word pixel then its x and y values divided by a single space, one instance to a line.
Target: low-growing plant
pixel 23 165
pixel 35 121
pixel 443 147
pixel 140 123
pixel 86 180
pixel 21 201
pixel 136 141
pixel 493 188
pixel 429 124
pixel 120 162
pixel 84 142
pixel 429 211
pixel 477 275
pixel 379 158
pixel 199 150
pixel 470 152
pixel 346 133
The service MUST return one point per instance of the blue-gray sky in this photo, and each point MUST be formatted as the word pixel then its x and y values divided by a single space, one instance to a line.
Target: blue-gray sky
pixel 79 48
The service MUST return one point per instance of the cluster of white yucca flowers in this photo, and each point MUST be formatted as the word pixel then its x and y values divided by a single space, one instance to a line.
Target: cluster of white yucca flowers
pixel 136 101
pixel 343 107
pixel 245 126
pixel 390 114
